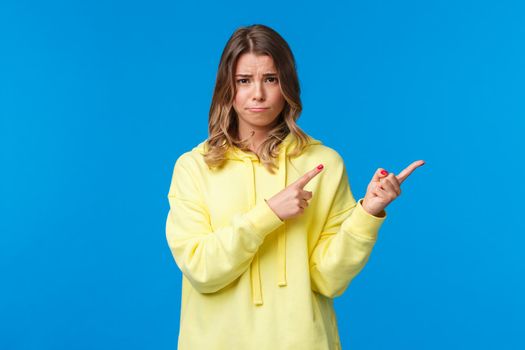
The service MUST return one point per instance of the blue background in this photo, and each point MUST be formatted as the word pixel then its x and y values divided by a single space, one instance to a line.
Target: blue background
pixel 98 99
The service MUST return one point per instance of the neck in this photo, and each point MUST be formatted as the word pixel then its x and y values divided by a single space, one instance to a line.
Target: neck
pixel 259 135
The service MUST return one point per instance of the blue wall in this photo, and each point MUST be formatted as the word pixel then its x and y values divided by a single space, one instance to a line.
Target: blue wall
pixel 98 99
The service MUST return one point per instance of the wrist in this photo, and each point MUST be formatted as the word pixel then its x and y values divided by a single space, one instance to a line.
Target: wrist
pixel 379 214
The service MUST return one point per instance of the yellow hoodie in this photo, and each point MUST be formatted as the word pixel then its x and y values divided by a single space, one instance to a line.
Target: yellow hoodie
pixel 250 280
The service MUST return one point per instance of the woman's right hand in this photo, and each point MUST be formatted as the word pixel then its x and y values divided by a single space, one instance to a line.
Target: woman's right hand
pixel 292 200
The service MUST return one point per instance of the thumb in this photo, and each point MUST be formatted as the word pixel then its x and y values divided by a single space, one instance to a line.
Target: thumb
pixel 379 174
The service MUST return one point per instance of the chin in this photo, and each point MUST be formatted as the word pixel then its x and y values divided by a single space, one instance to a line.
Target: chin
pixel 259 121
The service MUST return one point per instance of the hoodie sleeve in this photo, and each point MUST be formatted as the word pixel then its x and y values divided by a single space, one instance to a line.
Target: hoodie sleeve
pixel 209 259
pixel 345 243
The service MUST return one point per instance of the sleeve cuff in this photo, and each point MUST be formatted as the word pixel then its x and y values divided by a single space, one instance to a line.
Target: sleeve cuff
pixel 363 224
pixel 263 219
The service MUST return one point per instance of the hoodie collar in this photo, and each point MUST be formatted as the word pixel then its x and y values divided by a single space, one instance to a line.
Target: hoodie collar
pixel 247 158
pixel 237 154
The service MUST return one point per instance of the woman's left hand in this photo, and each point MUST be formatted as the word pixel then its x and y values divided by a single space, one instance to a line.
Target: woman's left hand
pixel 385 187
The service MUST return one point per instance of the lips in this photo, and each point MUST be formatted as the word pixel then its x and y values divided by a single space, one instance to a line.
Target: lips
pixel 257 109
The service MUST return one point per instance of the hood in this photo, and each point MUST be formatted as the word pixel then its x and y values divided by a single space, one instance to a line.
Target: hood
pixel 234 153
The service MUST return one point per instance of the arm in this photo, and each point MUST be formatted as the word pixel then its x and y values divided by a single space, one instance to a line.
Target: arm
pixel 211 259
pixel 345 243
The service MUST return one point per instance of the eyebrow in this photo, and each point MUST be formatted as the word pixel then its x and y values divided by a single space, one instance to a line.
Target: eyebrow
pixel 249 75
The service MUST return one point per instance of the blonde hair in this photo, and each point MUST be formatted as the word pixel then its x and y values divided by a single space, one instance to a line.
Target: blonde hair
pixel 223 120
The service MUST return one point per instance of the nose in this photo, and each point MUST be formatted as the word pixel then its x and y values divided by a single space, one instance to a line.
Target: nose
pixel 259 92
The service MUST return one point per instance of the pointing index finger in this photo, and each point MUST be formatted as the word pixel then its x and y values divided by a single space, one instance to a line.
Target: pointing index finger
pixel 303 180
pixel 408 170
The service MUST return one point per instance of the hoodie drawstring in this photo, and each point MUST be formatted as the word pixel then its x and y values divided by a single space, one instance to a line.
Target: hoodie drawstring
pixel 281 238
pixel 255 273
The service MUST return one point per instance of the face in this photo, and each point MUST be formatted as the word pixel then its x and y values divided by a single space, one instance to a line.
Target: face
pixel 257 85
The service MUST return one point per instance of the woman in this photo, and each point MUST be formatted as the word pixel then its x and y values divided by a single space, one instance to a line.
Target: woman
pixel 264 234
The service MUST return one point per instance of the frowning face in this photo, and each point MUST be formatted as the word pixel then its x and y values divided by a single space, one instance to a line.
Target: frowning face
pixel 258 99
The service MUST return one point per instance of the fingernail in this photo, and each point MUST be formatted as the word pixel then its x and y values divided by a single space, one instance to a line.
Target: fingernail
pixel 320 166
pixel 384 172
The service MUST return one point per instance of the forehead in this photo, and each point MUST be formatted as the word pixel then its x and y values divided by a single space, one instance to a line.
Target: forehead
pixel 250 62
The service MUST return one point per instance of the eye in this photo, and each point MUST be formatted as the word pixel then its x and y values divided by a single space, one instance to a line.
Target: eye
pixel 244 80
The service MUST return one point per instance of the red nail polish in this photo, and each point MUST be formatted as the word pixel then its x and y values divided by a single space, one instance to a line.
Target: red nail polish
pixel 384 172
pixel 320 166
